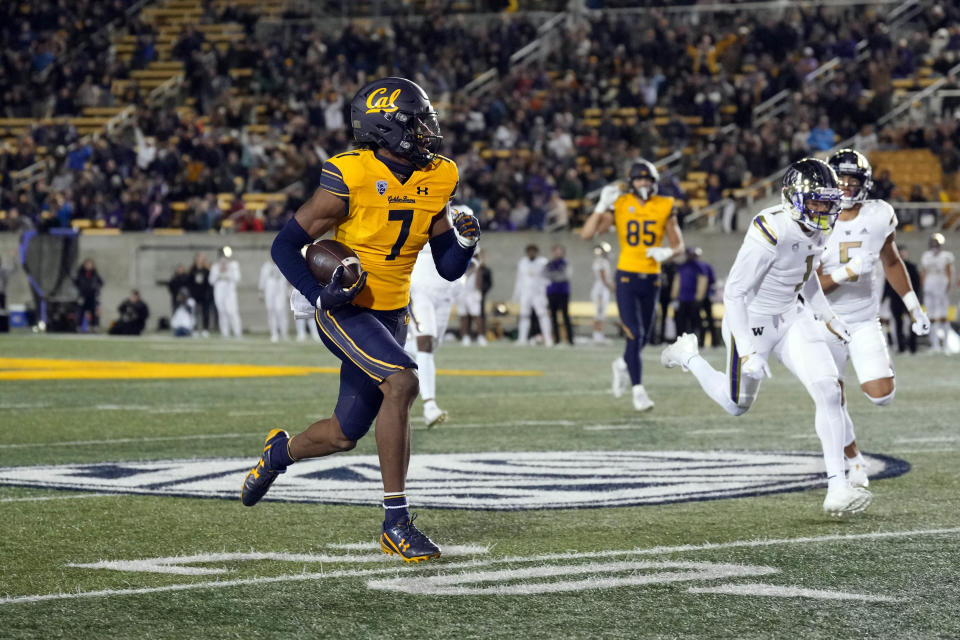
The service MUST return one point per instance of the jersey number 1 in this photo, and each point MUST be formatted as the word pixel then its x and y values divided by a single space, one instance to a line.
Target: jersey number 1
pixel 806 274
pixel 633 233
pixel 405 216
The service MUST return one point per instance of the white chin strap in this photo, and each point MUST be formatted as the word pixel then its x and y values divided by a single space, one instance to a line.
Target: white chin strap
pixel 644 193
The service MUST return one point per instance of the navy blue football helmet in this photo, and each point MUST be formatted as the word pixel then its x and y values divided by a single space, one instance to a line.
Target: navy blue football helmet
pixel 807 181
pixel 644 169
pixel 396 115
pixel 848 162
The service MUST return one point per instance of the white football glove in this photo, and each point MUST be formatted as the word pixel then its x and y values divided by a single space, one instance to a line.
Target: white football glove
pixel 660 253
pixel 837 327
pixel 755 366
pixel 851 270
pixel 300 306
pixel 921 323
pixel 608 195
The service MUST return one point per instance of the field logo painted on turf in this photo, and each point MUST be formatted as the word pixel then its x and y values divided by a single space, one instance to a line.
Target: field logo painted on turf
pixel 500 481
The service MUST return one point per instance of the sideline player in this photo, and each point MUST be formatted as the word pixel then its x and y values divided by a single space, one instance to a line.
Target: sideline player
pixel 936 266
pixel 641 218
pixel 864 235
pixel 530 293
pixel 763 317
pixel 385 200
pixel 600 291
pixel 431 297
pixel 470 301
pixel 274 293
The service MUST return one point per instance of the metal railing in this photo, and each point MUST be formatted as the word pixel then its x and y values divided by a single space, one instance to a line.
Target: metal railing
pixel 40 170
pixel 538 49
pixel 779 103
pixel 927 93
pixel 692 8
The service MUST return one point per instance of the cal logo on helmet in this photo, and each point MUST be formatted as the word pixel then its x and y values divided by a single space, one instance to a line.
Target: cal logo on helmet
pixel 377 103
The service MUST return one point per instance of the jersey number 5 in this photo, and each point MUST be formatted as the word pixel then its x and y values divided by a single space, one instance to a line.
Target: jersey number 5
pixel 633 233
pixel 405 216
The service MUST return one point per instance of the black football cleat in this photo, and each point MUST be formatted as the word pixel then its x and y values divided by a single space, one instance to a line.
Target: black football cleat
pixel 408 542
pixel 260 478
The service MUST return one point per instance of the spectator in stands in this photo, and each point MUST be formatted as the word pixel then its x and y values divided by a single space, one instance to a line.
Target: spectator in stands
pixel 89 283
pixel 866 140
pixel 822 137
pixel 883 187
pixel 950 164
pixel 133 316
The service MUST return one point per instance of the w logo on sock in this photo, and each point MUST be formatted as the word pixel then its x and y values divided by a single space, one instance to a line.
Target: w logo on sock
pixel 758 331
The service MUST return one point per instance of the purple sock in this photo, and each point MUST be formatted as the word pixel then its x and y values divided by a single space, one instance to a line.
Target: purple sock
pixel 395 509
pixel 278 458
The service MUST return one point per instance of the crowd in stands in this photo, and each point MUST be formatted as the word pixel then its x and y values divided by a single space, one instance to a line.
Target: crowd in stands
pixel 634 85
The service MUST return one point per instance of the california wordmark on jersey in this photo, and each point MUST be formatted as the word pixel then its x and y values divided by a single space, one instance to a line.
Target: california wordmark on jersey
pixel 858 300
pixel 795 256
pixel 387 222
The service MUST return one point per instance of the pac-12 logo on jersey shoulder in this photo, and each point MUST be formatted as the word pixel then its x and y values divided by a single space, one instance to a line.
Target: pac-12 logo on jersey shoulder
pixel 381 104
pixel 381 186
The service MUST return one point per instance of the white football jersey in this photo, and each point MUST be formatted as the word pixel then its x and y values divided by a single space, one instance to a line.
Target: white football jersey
pixel 531 277
pixel 601 267
pixel 425 278
pixel 934 265
pixel 862 237
pixel 796 254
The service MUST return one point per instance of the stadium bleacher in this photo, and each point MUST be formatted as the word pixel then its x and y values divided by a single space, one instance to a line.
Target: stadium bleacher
pixel 187 77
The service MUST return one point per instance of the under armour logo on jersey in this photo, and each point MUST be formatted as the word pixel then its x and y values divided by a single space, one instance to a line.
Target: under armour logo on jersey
pixel 381 186
pixel 758 331
pixel 422 191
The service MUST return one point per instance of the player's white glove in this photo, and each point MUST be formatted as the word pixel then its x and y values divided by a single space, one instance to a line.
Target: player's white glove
pixel 850 271
pixel 300 306
pixel 755 366
pixel 837 327
pixel 608 195
pixel 921 323
pixel 660 253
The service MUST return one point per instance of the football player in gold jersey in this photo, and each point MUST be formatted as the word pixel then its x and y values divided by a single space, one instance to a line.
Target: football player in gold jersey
pixel 385 199
pixel 642 218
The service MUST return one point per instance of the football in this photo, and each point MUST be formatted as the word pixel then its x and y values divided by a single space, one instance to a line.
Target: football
pixel 324 256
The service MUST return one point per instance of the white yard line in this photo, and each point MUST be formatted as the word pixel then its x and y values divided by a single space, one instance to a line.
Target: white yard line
pixel 787 592
pixel 80 443
pixel 399 570
pixel 70 497
pixel 937 450
pixel 929 439
pixel 713 431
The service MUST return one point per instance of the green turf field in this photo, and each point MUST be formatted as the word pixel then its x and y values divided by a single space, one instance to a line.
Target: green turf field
pixel 96 545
